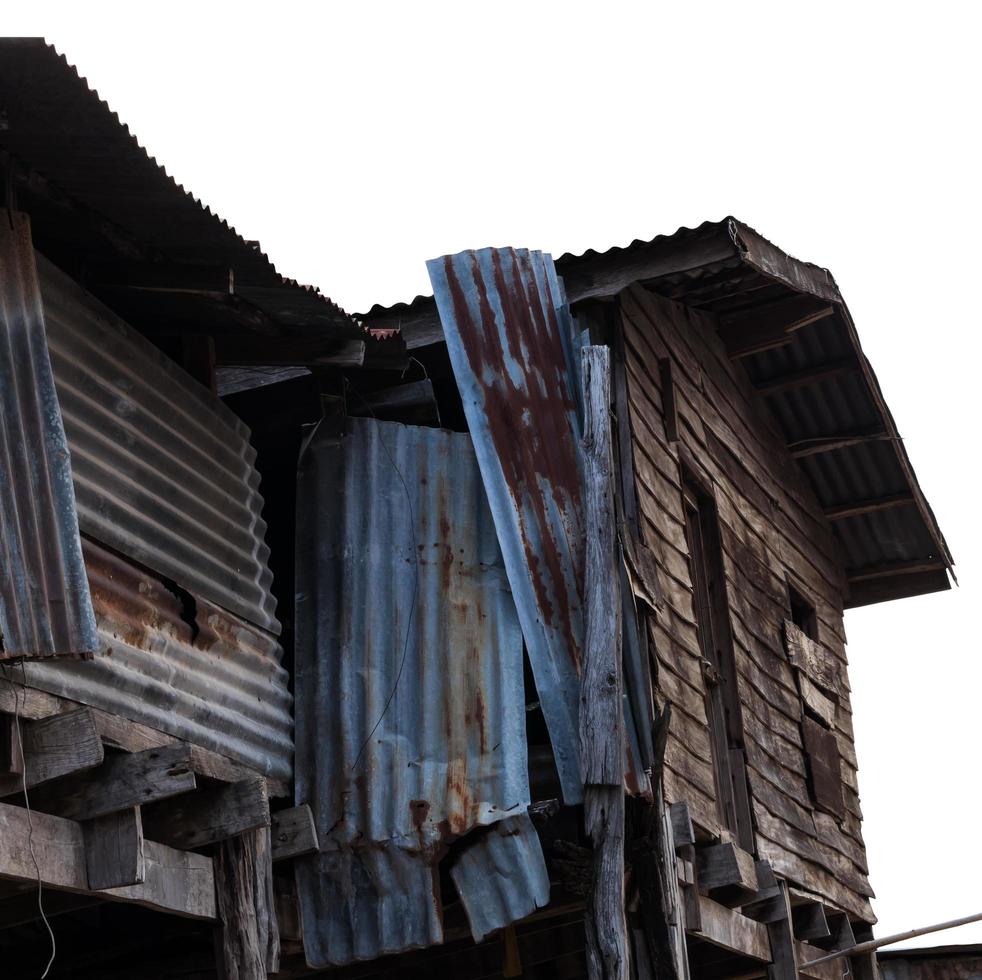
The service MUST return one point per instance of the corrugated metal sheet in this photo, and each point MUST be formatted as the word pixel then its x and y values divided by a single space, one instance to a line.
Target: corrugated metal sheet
pixel 502 877
pixel 725 267
pixel 932 963
pixel 218 684
pixel 163 471
pixel 511 344
pixel 44 596
pixel 410 696
pixel 57 125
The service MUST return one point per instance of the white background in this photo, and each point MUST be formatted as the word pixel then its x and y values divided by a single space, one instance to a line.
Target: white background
pixel 358 140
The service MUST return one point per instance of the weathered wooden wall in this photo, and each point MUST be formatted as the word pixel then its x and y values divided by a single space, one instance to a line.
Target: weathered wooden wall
pixel 772 531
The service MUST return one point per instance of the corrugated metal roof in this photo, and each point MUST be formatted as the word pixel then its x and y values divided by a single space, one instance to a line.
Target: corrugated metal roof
pixel 511 343
pixel 726 268
pixel 410 694
pixel 502 877
pixel 44 597
pixel 163 471
pixel 221 687
pixel 97 197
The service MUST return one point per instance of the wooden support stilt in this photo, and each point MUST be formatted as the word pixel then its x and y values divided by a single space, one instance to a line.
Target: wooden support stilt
pixel 248 939
pixel 601 704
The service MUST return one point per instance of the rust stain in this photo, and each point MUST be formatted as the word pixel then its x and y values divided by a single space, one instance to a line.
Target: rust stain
pixel 529 428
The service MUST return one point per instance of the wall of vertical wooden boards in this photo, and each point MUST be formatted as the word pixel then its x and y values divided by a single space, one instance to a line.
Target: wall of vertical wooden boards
pixel 771 527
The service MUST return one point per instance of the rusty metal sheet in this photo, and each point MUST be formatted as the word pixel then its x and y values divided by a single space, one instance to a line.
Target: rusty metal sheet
pixel 197 672
pixel 163 471
pixel 409 683
pixel 44 597
pixel 512 346
pixel 502 877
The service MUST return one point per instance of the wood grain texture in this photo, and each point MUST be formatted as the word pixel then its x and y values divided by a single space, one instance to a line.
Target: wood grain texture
pixel 114 854
pixel 248 936
pixel 601 685
pixel 772 529
pixel 122 782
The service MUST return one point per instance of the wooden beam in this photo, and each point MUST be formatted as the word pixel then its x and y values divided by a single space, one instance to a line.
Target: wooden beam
pixel 209 815
pixel 891 568
pixel 780 932
pixel 807 376
pixel 830 970
pixel 728 868
pixel 54 747
pixel 179 882
pixel 293 832
pixel 841 440
pixel 810 922
pixel 11 763
pixel 114 850
pixel 764 328
pixel 683 832
pixel 175 881
pixel 309 350
pixel 601 702
pixel 732 931
pixel 248 937
pixel 122 782
pixel 869 506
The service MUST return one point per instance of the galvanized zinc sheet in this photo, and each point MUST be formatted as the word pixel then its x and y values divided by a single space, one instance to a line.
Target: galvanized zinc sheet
pixel 163 471
pixel 217 683
pixel 44 596
pixel 410 695
pixel 502 877
pixel 511 344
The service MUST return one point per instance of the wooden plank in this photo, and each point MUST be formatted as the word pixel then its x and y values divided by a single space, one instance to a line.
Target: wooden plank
pixel 56 746
pixel 293 832
pixel 838 440
pixel 810 922
pixel 174 881
pixel 832 970
pixel 726 868
pixel 824 768
pixel 768 327
pixel 784 953
pixel 682 830
pixel 807 376
pixel 180 882
pixel 248 938
pixel 821 666
pixel 601 701
pixel 870 506
pixel 114 849
pixel 820 703
pixel 11 759
pixel 670 414
pixel 58 846
pixel 732 931
pixel 209 815
pixel 122 782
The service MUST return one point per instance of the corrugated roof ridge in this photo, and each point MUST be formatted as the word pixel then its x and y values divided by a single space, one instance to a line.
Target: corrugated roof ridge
pixel 90 90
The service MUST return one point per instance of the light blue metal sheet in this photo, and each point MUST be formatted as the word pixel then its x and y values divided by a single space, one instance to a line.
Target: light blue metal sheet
pixel 502 877
pixel 409 683
pixel 513 349
pixel 45 607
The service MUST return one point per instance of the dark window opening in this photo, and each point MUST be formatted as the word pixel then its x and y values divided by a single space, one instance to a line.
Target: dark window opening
pixel 719 666
pixel 802 613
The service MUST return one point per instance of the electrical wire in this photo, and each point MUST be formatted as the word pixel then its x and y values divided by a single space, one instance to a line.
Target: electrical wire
pixel 412 605
pixel 30 820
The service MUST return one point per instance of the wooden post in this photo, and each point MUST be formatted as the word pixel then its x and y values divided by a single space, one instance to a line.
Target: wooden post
pixel 248 939
pixel 601 706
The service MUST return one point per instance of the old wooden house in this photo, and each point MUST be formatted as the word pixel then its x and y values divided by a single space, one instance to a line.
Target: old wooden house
pixel 499 633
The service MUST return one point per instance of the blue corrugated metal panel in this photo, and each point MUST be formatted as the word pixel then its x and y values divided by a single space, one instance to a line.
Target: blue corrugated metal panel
pixel 44 596
pixel 502 877
pixel 362 903
pixel 511 344
pixel 410 696
pixel 221 687
pixel 163 471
